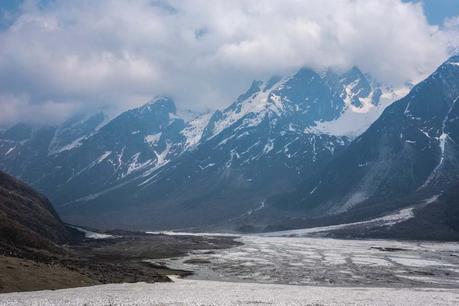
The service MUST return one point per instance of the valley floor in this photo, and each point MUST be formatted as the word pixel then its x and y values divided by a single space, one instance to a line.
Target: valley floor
pixel 325 262
pixel 287 271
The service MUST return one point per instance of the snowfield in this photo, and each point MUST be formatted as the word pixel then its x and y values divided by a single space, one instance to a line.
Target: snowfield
pixel 199 292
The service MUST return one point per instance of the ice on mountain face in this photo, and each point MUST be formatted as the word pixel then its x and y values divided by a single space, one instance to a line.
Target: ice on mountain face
pixel 194 130
pixel 253 106
pixel 268 146
pixel 152 139
pixel 256 105
pixel 161 158
pixel 355 120
pixel 134 164
pixel 363 104
pixel 351 123
pixel 75 144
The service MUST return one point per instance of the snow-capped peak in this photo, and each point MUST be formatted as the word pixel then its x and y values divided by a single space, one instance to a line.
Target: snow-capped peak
pixel 159 103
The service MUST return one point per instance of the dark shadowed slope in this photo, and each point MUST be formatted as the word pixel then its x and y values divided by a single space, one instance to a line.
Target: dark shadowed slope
pixel 27 220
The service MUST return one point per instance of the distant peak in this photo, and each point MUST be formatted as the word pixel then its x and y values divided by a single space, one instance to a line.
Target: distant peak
pixel 453 60
pixel 254 88
pixel 454 51
pixel 306 72
pixel 161 102
pixel 160 99
pixel 272 81
pixel 256 84
pixel 353 74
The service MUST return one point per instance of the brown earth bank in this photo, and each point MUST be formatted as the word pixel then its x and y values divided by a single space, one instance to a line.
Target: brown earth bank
pixel 100 261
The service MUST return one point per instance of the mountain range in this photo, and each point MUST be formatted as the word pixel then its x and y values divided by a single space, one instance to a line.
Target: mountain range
pixel 306 149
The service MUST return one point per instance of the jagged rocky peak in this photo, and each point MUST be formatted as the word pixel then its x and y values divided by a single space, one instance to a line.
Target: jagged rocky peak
pixel 160 103
pixel 357 89
pixel 161 108
pixel 255 87
pixel 308 94
pixel 149 118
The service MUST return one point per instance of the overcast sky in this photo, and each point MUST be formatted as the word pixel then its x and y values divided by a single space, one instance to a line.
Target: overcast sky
pixel 60 57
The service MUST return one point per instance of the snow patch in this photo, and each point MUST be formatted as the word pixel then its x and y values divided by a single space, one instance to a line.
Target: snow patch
pixel 135 164
pixel 73 145
pixel 206 166
pixel 152 139
pixel 9 150
pixel 93 235
pixel 385 221
pixel 195 128
pixel 103 157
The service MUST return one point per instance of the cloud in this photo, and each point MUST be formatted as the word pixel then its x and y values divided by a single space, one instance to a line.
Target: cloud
pixel 70 56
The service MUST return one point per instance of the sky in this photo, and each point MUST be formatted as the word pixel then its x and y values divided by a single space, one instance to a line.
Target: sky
pixel 61 57
pixel 437 11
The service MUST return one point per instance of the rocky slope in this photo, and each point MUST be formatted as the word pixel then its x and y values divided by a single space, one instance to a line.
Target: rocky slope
pixel 28 222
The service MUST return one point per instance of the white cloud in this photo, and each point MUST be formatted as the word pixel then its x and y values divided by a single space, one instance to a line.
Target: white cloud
pixel 84 54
